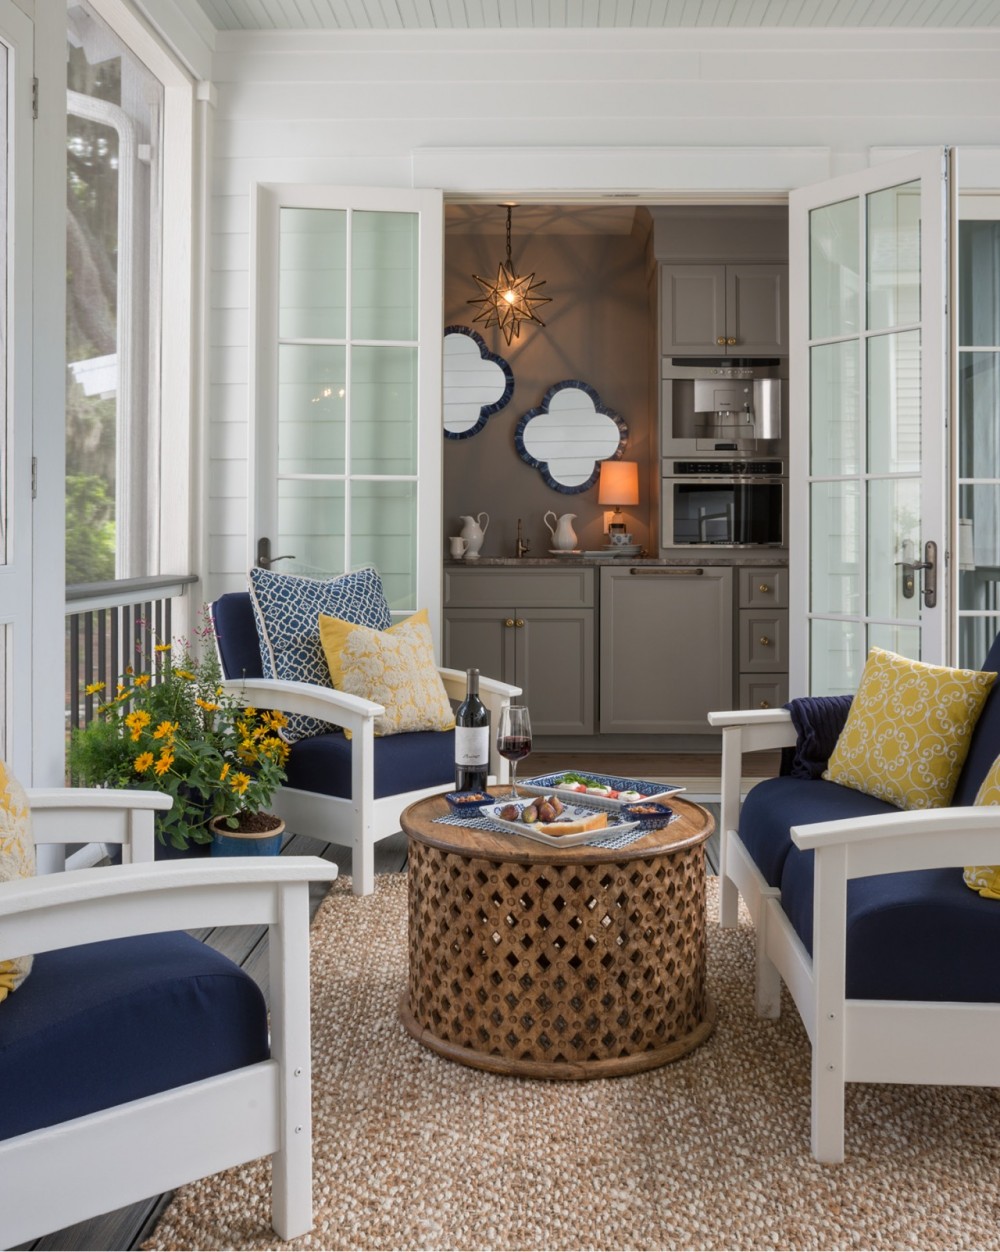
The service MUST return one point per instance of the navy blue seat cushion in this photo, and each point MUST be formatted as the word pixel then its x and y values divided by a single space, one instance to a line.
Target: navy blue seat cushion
pixel 236 631
pixel 105 1023
pixel 775 805
pixel 984 747
pixel 420 758
pixel 919 935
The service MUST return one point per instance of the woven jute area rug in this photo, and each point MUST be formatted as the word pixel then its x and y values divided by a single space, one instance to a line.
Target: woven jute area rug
pixel 413 1151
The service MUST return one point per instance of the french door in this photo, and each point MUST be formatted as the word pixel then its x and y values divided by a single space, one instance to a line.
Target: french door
pixel 347 386
pixel 16 59
pixel 868 441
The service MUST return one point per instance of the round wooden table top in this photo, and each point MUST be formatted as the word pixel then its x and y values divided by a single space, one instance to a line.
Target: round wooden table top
pixel 692 825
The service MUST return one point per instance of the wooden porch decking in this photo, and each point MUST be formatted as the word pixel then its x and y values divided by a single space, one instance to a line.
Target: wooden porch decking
pixel 128 1227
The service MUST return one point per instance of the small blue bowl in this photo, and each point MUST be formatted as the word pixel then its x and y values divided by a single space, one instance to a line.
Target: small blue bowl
pixel 649 814
pixel 467 801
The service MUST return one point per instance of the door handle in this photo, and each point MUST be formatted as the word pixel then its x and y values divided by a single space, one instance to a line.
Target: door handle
pixel 264 558
pixel 928 566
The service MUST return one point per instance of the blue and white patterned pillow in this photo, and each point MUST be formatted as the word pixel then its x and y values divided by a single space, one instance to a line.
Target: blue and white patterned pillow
pixel 287 609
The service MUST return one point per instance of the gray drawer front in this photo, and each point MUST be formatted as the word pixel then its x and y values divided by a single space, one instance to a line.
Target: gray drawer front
pixel 500 587
pixel 763 691
pixel 763 640
pixel 763 588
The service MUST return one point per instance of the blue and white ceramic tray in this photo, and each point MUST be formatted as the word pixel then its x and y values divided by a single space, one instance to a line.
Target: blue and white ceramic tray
pixel 571 812
pixel 549 784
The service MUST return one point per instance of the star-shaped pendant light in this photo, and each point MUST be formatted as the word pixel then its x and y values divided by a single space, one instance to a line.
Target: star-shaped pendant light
pixel 508 300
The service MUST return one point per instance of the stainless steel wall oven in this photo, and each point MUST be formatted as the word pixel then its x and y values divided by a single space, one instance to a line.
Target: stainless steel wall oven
pixel 724 504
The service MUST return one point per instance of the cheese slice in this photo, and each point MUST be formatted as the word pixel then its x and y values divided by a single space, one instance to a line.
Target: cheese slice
pixel 596 821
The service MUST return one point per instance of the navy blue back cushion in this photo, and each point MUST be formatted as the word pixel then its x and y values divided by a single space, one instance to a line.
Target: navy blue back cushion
pixel 772 807
pixel 985 746
pixel 421 758
pixel 236 631
pixel 104 1023
pixel 919 935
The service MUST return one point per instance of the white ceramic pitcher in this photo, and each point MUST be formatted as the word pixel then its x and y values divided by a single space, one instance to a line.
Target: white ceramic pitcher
pixel 474 532
pixel 561 530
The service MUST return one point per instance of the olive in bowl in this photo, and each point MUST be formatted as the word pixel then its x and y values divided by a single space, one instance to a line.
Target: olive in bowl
pixel 647 813
pixel 467 801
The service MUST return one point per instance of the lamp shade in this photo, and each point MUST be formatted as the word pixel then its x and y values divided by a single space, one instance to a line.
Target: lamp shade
pixel 619 483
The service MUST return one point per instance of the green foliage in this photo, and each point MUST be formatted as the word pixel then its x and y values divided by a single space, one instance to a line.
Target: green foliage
pixel 173 729
pixel 90 530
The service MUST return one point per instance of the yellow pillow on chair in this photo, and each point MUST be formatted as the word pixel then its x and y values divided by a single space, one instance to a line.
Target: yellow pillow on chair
pixel 986 878
pixel 907 734
pixel 17 860
pixel 394 667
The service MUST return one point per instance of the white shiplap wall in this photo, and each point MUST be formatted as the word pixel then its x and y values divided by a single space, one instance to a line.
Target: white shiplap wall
pixel 611 110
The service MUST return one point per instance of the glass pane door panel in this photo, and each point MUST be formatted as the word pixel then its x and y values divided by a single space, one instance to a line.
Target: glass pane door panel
pixel 834 653
pixel 902 639
pixel 835 524
pixel 894 412
pixel 979 537
pixel 979 410
pixel 312 274
pixel 834 251
pixel 894 256
pixel 312 388
pixel 975 637
pixel 893 535
pixel 384 410
pixel 311 525
pixel 384 275
pixel 835 402
pixel 383 534
pixel 979 284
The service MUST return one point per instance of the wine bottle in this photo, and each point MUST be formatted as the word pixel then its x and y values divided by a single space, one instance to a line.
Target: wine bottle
pixel 472 738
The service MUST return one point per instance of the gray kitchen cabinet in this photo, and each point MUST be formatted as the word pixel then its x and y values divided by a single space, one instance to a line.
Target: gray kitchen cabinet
pixel 724 310
pixel 762 637
pixel 532 627
pixel 666 647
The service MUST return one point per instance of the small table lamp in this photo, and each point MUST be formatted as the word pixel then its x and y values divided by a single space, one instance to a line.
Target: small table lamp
pixel 618 485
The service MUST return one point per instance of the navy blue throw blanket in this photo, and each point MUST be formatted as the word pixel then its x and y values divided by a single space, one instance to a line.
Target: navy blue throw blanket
pixel 818 721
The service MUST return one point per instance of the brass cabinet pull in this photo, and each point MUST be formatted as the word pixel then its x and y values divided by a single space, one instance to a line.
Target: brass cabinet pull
pixel 764 704
pixel 721 341
pixel 519 622
pixel 509 621
pixel 764 588
pixel 730 342
pixel 765 642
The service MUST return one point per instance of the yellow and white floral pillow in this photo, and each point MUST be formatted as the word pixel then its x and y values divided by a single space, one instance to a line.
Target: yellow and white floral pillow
pixel 17 860
pixel 986 878
pixel 393 667
pixel 908 732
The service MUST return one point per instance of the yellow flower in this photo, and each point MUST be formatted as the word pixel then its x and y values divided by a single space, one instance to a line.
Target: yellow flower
pixel 136 721
pixel 163 647
pixel 225 771
pixel 129 670
pixel 207 705
pixel 278 719
pixel 142 680
pixel 166 728
pixel 239 783
pixel 142 762
pixel 185 673
pixel 124 693
pixel 91 688
pixel 250 712
pixel 165 761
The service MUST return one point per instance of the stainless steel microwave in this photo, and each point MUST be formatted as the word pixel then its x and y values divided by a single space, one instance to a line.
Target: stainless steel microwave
pixel 730 504
pixel 725 408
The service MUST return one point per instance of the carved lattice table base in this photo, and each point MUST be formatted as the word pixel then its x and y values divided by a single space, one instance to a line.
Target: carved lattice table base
pixel 556 963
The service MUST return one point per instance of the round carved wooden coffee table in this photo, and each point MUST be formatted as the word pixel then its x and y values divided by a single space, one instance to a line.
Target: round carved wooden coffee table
pixel 552 962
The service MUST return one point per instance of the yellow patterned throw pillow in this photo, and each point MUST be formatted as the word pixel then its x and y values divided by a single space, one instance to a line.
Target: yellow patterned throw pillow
pixel 986 878
pixel 908 731
pixel 393 667
pixel 17 860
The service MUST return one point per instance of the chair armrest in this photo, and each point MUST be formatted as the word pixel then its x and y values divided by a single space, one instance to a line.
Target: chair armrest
pixel 62 815
pixel 326 703
pixel 88 905
pixel 752 718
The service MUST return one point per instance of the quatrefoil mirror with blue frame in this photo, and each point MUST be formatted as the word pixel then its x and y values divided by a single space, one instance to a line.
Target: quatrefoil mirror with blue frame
pixel 477 383
pixel 568 436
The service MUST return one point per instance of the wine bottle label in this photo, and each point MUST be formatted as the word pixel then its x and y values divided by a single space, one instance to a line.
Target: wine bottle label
pixel 472 745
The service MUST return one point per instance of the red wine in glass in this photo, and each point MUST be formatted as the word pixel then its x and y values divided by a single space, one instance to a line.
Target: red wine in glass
pixel 514 739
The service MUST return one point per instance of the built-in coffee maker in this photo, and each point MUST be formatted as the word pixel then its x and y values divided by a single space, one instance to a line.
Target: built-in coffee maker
pixel 715 406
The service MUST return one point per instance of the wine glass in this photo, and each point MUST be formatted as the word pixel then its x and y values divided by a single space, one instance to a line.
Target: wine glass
pixel 514 739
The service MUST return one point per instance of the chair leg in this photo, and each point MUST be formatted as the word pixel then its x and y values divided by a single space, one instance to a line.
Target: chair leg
pixel 767 980
pixel 363 865
pixel 827 1104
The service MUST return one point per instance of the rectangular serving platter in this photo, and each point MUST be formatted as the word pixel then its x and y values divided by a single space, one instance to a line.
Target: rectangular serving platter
pixel 555 841
pixel 545 784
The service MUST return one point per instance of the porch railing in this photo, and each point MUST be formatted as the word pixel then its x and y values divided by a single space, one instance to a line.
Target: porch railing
pixel 110 626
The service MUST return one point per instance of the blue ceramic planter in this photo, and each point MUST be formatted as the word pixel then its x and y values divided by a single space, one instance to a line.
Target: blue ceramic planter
pixel 227 842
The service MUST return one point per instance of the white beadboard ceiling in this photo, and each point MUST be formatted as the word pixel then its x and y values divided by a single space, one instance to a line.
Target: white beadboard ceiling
pixel 623 14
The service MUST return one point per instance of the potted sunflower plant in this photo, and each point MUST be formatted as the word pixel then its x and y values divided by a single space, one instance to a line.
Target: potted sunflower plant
pixel 170 727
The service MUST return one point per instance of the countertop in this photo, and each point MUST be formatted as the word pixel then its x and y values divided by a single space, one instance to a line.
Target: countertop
pixel 731 556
